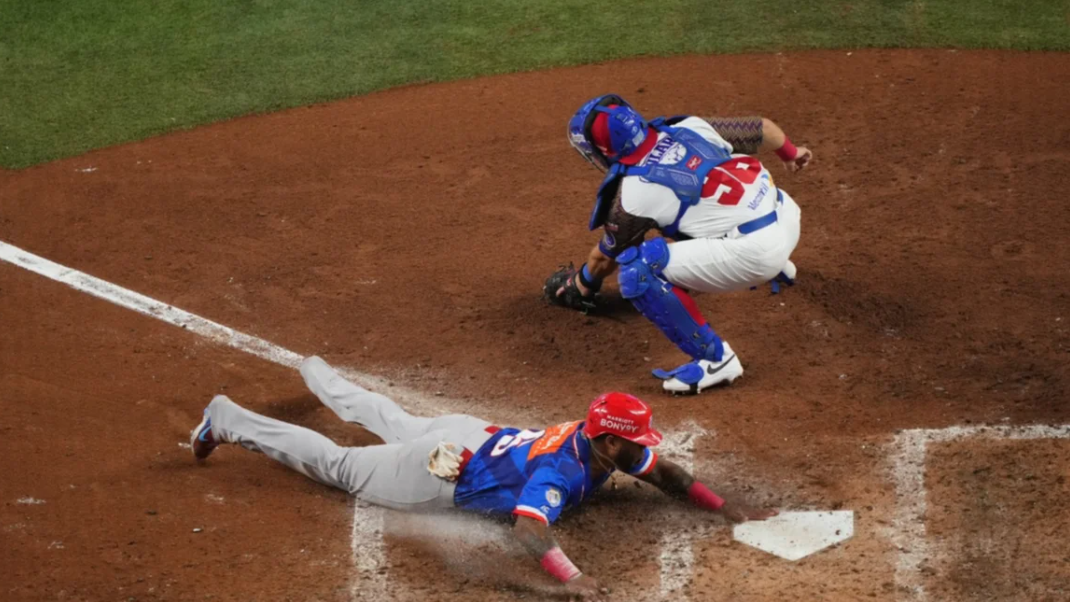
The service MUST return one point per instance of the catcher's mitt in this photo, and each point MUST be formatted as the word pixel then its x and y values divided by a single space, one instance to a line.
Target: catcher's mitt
pixel 560 289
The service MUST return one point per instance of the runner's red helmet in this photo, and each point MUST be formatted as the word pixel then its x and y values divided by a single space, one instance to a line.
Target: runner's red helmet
pixel 624 416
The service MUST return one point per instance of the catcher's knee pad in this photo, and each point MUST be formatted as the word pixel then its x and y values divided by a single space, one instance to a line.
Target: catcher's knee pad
pixel 642 283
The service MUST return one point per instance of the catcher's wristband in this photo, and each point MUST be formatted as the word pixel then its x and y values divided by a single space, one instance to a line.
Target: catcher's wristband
pixel 701 496
pixel 557 564
pixel 588 281
pixel 788 152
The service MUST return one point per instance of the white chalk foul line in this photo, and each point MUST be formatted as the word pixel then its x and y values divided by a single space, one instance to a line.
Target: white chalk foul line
pixel 149 306
pixel 676 559
pixel 908 471
pixel 368 556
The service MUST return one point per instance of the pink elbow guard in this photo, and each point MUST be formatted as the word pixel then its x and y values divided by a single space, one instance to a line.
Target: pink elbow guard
pixel 788 152
pixel 557 564
pixel 701 496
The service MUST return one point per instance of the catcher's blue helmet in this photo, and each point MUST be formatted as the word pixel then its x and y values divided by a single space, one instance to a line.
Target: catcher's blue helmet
pixel 604 141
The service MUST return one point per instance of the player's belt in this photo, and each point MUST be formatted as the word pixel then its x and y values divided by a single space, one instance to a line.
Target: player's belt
pixel 760 222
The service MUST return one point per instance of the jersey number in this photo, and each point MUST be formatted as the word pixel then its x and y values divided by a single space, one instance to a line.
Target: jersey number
pixel 725 184
pixel 508 442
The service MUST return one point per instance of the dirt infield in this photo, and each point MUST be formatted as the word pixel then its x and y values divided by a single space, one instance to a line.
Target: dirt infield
pixel 407 234
pixel 999 518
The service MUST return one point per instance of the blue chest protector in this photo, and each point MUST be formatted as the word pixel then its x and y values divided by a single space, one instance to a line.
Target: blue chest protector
pixel 684 175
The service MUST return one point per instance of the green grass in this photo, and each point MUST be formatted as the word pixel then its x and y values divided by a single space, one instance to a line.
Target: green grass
pixel 81 74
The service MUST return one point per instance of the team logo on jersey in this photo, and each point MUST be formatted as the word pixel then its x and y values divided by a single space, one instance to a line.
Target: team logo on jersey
pixel 674 155
pixel 693 163
pixel 609 240
pixel 553 497
pixel 667 152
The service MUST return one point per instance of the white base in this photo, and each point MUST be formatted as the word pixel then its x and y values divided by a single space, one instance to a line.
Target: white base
pixel 795 535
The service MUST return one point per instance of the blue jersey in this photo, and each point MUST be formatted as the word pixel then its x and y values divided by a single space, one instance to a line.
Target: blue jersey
pixel 533 473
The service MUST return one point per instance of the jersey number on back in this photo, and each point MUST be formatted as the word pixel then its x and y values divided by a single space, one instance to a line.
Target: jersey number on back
pixel 508 442
pixel 725 184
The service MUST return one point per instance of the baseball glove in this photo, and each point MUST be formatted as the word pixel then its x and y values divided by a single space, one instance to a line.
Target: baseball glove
pixel 560 289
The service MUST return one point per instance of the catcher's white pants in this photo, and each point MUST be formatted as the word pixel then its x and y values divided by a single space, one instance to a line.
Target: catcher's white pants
pixel 394 475
pixel 736 261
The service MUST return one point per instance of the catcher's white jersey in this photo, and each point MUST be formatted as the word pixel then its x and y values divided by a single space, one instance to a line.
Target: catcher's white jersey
pixel 718 258
pixel 734 193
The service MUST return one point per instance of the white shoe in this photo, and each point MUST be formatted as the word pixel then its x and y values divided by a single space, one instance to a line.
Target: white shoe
pixel 697 376
pixel 785 276
pixel 789 271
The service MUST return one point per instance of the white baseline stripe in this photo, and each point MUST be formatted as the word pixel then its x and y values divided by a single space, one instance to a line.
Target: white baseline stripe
pixel 908 470
pixel 149 306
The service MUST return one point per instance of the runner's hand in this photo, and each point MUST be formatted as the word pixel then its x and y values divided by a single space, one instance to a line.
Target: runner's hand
pixel 740 514
pixel 584 588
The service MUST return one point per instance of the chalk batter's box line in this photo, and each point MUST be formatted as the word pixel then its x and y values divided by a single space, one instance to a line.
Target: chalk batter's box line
pixel 908 471
pixel 370 583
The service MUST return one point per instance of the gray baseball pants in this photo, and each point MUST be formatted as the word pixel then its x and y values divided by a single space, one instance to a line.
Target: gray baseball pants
pixel 393 475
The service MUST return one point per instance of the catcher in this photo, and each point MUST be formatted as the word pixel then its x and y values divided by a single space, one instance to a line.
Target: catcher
pixel 458 461
pixel 684 177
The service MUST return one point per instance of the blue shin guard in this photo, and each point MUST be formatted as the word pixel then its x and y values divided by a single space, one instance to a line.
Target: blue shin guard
pixel 642 283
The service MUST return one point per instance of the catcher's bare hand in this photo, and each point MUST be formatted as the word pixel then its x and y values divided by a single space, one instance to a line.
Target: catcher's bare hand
pixel 585 588
pixel 801 160
pixel 734 513
pixel 562 289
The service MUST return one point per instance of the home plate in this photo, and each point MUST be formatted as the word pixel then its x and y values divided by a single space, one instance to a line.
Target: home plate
pixel 795 535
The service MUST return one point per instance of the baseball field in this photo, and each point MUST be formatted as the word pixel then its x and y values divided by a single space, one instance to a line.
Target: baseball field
pixel 195 195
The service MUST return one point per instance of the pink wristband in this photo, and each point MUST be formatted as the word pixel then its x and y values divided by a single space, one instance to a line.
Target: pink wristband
pixel 557 564
pixel 701 496
pixel 788 152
